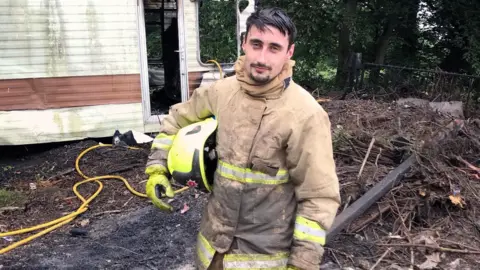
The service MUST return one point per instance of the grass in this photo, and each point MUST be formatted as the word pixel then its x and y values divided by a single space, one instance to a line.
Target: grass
pixel 11 198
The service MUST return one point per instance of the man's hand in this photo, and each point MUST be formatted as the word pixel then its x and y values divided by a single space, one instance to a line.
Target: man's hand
pixel 157 187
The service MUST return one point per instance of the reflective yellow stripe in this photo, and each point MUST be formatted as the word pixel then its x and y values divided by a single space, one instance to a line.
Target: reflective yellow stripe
pixel 245 175
pixel 205 251
pixel 163 141
pixel 255 261
pixel 309 230
pixel 156 167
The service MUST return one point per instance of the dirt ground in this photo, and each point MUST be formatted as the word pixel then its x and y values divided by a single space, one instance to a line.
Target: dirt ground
pixel 417 223
pixel 120 230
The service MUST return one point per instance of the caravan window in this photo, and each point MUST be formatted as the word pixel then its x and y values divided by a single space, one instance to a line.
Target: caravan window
pixel 217 30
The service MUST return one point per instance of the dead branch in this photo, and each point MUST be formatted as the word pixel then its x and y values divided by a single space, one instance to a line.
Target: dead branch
pixel 443 249
pixel 380 259
pixel 353 147
pixel 366 157
pixel 377 143
pixel 376 159
pixel 468 164
pixel 10 209
pixel 407 234
pixel 125 204
pixel 107 212
pixel 62 173
pixel 459 244
pixel 381 211
pixel 472 138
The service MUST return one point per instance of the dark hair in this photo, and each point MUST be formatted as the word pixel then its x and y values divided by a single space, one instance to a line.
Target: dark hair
pixel 275 17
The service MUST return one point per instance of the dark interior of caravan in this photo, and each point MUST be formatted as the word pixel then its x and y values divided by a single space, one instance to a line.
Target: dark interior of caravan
pixel 162 53
pixel 217 26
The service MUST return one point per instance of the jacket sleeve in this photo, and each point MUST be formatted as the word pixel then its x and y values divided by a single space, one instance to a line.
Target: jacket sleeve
pixel 312 168
pixel 199 106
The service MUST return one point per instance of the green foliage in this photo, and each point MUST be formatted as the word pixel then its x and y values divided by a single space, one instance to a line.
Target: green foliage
pixel 217 30
pixel 455 34
pixel 417 33
pixel 315 47
pixel 154 44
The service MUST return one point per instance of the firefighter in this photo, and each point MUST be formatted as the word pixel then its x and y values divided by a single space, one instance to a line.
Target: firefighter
pixel 275 189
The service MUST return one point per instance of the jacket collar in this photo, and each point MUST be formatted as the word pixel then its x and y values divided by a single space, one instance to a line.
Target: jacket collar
pixel 270 90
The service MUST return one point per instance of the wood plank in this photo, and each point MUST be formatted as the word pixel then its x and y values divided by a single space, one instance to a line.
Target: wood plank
pixel 369 198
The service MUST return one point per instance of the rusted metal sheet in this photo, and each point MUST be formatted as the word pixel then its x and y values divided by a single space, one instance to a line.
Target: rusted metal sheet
pixel 64 92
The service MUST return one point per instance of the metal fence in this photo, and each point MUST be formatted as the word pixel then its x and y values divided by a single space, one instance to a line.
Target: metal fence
pixel 388 82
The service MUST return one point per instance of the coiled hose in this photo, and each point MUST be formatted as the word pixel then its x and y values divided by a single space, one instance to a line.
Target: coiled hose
pixel 84 207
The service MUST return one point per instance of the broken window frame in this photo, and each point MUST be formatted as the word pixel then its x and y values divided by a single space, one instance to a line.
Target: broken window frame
pixel 239 34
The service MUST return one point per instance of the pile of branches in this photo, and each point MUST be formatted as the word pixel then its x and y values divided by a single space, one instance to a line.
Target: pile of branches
pixel 372 138
pixel 451 167
pixel 433 211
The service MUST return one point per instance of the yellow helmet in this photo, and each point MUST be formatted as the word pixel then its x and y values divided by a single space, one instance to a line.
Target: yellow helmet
pixel 192 159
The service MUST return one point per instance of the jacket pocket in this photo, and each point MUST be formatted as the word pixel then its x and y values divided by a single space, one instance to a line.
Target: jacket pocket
pixel 265 166
pixel 268 155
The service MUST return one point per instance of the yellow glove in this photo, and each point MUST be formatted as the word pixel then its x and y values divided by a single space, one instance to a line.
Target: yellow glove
pixel 157 187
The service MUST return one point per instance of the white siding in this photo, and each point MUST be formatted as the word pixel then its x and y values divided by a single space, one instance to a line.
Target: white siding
pixel 54 125
pixel 191 37
pixel 51 38
pixel 242 18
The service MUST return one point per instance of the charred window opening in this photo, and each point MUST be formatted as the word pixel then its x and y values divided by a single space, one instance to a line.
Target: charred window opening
pixel 161 27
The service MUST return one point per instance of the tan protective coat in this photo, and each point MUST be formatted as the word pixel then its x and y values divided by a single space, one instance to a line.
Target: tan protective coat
pixel 276 174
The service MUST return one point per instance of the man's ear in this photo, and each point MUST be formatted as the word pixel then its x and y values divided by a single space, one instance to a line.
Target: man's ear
pixel 290 51
pixel 243 39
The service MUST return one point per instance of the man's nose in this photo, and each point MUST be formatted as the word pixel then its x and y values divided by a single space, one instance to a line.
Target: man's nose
pixel 261 55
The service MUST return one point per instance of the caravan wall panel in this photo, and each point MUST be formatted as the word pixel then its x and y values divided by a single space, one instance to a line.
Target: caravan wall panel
pixel 69 70
pixel 68 53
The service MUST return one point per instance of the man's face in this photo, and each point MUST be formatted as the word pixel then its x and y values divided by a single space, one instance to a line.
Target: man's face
pixel 265 53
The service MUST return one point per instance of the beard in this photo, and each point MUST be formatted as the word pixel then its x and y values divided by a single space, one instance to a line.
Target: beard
pixel 260 78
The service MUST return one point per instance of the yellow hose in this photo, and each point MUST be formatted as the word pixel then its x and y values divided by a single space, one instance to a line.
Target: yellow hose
pixel 66 219
pixel 219 67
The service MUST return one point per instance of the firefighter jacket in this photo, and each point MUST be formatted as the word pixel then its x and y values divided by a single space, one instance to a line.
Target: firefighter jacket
pixel 275 189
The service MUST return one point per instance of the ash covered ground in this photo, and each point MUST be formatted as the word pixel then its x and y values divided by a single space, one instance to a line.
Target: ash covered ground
pixel 429 220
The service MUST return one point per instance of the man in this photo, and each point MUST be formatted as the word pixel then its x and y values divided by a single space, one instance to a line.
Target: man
pixel 275 190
